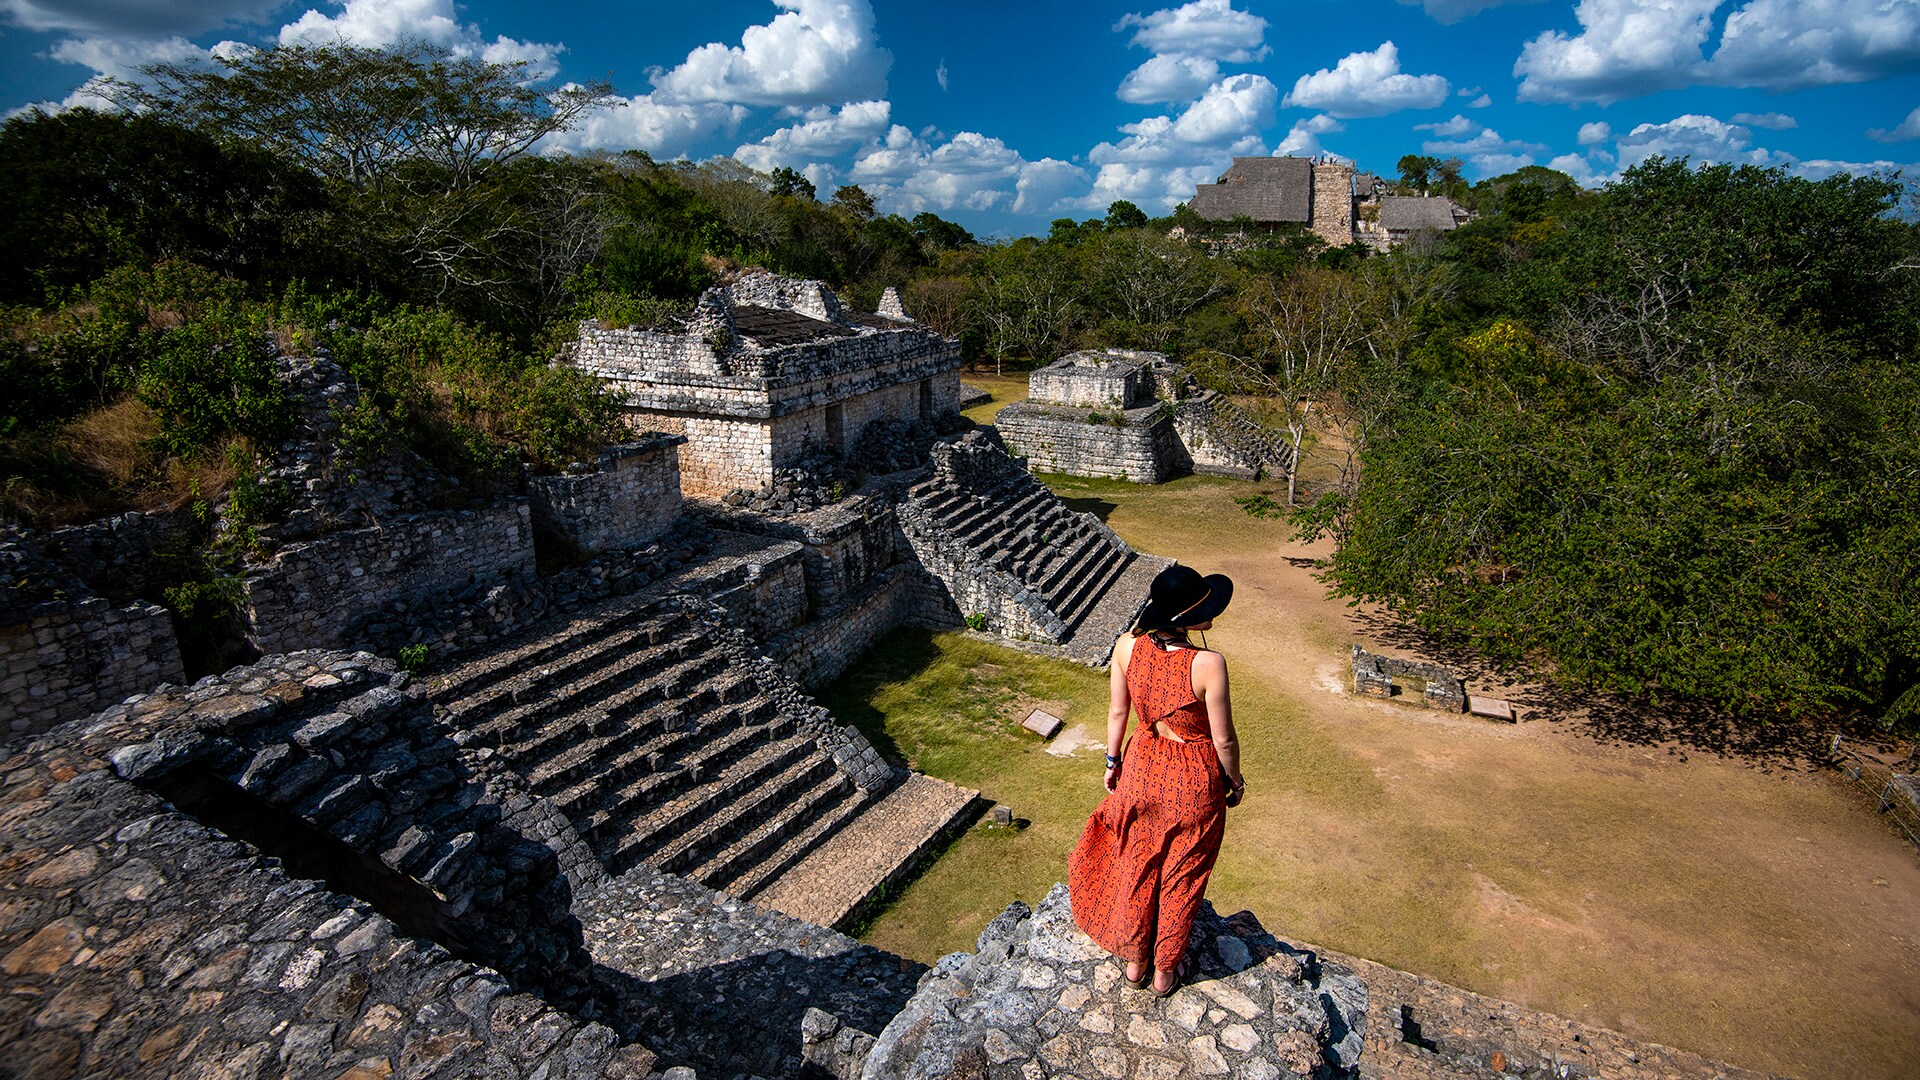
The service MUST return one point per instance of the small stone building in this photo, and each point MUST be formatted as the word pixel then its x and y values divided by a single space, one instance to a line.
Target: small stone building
pixel 770 371
pixel 1128 415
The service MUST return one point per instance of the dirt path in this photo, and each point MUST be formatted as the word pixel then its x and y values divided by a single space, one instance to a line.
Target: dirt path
pixel 1754 914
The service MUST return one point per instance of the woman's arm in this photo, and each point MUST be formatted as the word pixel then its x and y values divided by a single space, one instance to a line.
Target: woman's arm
pixel 1118 704
pixel 1210 685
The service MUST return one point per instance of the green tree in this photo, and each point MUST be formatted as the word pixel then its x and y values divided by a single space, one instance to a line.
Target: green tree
pixel 1122 214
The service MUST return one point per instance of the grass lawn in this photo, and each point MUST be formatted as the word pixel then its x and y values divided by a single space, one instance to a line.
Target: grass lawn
pixel 950 705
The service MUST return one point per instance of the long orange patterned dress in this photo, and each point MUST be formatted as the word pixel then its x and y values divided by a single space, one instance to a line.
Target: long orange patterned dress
pixel 1141 866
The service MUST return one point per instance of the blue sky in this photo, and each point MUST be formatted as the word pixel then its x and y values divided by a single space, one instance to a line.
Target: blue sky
pixel 1004 115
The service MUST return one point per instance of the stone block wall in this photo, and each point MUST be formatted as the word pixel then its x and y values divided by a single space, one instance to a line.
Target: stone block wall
pixel 973 587
pixel 720 454
pixel 1142 448
pixel 630 495
pixel 64 659
pixel 1095 379
pixel 1384 676
pixel 845 545
pixel 1333 202
pixel 761 583
pixel 314 595
pixel 825 647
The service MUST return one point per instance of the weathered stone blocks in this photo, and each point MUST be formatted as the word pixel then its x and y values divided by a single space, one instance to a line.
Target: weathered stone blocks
pixel 628 496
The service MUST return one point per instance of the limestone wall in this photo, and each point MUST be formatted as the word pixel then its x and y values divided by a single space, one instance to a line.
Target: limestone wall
pixel 64 659
pixel 973 587
pixel 1333 202
pixel 827 645
pixel 630 495
pixel 1142 448
pixel 1097 378
pixel 313 595
pixel 1392 677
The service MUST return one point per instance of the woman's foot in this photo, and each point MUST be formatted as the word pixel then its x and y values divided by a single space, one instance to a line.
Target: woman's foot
pixel 1165 983
pixel 1137 974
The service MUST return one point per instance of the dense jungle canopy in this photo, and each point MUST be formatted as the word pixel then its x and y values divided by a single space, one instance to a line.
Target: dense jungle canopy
pixel 1663 437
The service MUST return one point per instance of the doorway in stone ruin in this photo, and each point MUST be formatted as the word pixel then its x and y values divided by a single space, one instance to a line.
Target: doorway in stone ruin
pixel 926 399
pixel 837 427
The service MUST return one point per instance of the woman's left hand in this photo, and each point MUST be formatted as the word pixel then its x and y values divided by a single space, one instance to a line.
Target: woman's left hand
pixel 1113 779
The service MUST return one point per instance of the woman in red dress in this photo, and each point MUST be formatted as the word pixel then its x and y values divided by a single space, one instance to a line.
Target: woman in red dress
pixel 1138 873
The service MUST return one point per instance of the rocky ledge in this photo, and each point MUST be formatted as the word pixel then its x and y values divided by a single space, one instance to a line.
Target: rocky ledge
pixel 1040 999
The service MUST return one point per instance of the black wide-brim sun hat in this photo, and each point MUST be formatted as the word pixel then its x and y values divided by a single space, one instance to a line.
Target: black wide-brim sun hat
pixel 1181 597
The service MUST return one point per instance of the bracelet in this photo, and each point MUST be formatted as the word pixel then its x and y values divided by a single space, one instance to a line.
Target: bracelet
pixel 1112 762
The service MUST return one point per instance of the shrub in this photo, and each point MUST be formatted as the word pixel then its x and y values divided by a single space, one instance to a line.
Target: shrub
pixel 976 621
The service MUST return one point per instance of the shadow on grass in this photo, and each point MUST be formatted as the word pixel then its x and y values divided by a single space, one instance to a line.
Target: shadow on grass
pixel 1629 719
pixel 898 657
pixel 1099 508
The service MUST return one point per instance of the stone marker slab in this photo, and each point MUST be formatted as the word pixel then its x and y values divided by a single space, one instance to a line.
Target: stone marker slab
pixel 1042 723
pixel 1492 708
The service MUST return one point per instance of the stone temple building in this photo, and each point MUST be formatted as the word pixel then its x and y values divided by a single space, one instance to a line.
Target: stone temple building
pixel 1315 192
pixel 768 371
pixel 1128 415
pixel 1326 195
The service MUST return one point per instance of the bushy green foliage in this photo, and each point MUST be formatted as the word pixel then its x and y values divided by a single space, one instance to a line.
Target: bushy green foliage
pixel 1675 455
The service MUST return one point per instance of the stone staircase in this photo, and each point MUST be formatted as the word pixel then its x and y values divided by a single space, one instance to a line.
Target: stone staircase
pixel 997 537
pixel 666 740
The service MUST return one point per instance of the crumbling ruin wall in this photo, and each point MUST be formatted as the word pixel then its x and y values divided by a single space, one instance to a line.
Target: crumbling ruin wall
pixel 628 496
pixel 1333 202
pixel 1141 447
pixel 315 594
pixel 1387 676
pixel 1095 379
pixel 65 652
pixel 826 646
pixel 143 940
pixel 63 659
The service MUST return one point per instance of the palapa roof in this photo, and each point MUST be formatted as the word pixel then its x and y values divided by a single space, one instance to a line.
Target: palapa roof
pixel 1261 188
pixel 1411 213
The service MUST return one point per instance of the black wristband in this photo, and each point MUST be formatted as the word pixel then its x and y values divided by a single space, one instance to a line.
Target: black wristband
pixel 1112 762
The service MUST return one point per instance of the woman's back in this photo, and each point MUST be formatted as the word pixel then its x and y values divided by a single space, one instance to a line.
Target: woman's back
pixel 1160 682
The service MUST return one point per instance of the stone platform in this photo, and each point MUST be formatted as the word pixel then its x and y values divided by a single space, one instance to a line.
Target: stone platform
pixel 891 839
pixel 1039 999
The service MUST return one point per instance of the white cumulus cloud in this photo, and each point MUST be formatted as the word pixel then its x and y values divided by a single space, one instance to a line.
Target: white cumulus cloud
pixel 825 132
pixel 663 129
pixel 1821 168
pixel 134 18
pixel 1046 184
pixel 1232 109
pixel 1210 28
pixel 1625 48
pixel 1171 78
pixel 1772 121
pixel 1701 138
pixel 1303 138
pixel 1367 84
pixel 1907 129
pixel 378 23
pixel 816 52
pixel 1580 169
pixel 1598 131
pixel 1449 129
pixel 1787 44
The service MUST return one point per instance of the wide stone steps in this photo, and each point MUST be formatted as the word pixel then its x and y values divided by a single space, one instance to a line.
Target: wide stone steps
pixel 1074 609
pixel 771 846
pixel 530 733
pixel 646 830
pixel 535 682
pixel 680 757
pixel 502 665
pixel 712 833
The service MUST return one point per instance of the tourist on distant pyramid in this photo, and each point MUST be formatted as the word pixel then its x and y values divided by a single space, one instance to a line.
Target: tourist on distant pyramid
pixel 1138 873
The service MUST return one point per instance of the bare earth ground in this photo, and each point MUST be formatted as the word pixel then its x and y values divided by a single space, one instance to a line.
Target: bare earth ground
pixel 1743 907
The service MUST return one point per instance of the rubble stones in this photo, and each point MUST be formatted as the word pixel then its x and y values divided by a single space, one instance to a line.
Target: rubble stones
pixel 1037 997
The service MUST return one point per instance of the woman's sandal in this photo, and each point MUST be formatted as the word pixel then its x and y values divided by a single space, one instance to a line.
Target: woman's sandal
pixel 1145 980
pixel 1179 978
